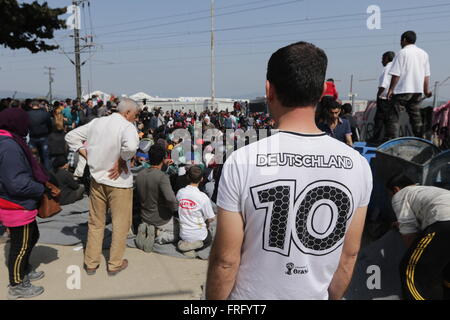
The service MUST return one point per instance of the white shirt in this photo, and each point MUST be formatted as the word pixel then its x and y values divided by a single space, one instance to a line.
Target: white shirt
pixel 297 195
pixel 412 65
pixel 385 81
pixel 194 209
pixel 418 207
pixel 108 138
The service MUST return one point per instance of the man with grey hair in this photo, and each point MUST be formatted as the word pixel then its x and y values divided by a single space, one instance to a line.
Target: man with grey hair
pixel 111 142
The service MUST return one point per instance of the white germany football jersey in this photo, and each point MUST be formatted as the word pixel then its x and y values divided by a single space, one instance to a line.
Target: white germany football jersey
pixel 297 194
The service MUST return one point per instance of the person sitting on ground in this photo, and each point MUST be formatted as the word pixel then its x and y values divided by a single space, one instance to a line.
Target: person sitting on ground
pixel 195 215
pixel 71 191
pixel 157 201
pixel 423 219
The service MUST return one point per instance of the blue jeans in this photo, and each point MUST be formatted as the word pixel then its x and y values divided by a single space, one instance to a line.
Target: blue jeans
pixel 41 144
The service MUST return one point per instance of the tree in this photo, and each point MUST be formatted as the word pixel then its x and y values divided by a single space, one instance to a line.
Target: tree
pixel 26 25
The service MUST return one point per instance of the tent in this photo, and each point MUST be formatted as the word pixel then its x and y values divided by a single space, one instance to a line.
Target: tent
pixel 141 96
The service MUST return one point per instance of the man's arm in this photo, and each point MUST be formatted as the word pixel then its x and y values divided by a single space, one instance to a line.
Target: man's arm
pixel 130 143
pixel 168 194
pixel 380 91
pixel 348 139
pixel 392 86
pixel 426 87
pixel 409 238
pixel 352 242
pixel 225 255
pixel 77 137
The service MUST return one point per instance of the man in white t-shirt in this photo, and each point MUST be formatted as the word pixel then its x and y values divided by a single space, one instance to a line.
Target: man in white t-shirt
pixel 383 104
pixel 291 206
pixel 195 215
pixel 410 73
pixel 423 219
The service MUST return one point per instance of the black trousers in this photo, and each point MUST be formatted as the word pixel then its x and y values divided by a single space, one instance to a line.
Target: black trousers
pixel 425 268
pixel 381 119
pixel 22 241
pixel 411 103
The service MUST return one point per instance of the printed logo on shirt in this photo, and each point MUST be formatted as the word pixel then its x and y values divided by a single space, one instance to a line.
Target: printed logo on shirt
pixel 291 269
pixel 307 161
pixel 187 204
pixel 315 220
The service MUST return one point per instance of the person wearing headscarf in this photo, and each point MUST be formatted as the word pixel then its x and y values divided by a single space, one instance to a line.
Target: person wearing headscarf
pixel 22 184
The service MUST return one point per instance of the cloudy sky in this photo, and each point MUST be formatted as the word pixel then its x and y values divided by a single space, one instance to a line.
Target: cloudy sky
pixel 163 47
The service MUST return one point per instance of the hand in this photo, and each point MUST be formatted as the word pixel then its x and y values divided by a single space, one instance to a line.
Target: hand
pixel 83 153
pixel 395 225
pixel 119 167
pixel 168 162
pixel 390 94
pixel 428 94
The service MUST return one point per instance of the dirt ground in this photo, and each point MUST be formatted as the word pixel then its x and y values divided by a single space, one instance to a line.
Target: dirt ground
pixel 148 276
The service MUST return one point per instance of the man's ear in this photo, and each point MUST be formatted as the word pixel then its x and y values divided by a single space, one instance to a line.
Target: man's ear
pixel 324 89
pixel 269 91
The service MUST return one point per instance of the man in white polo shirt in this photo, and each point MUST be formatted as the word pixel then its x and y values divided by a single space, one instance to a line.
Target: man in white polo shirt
pixel 410 73
pixel 112 141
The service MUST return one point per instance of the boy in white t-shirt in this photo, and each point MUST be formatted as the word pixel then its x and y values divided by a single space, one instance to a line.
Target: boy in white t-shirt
pixel 195 214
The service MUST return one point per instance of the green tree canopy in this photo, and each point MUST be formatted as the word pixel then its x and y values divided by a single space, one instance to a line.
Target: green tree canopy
pixel 26 25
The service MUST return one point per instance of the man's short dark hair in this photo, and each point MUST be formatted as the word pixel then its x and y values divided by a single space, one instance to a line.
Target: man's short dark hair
pixel 195 174
pixel 347 107
pixel 400 181
pixel 330 80
pixel 297 72
pixel 389 55
pixel 156 154
pixel 409 36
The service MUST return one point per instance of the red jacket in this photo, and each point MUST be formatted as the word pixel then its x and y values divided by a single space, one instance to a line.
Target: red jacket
pixel 331 90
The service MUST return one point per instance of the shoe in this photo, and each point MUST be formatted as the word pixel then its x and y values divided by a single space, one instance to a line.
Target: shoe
pixel 145 237
pixel 24 290
pixel 190 254
pixel 150 238
pixel 35 275
pixel 122 267
pixel 141 235
pixel 90 271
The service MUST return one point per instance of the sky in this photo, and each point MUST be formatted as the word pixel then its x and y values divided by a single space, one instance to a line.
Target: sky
pixel 163 47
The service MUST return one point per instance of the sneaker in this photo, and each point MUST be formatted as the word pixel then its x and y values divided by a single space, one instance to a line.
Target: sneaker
pixel 122 267
pixel 35 275
pixel 24 290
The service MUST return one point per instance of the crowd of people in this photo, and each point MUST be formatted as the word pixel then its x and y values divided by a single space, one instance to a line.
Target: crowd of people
pixel 161 177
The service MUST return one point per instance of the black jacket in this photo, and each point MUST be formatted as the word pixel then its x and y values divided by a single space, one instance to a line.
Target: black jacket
pixel 40 123
pixel 68 186
pixel 57 144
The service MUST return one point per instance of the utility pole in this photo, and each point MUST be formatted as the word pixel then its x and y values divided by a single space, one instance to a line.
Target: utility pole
pixel 213 58
pixel 50 81
pixel 76 37
pixel 435 94
pixel 352 95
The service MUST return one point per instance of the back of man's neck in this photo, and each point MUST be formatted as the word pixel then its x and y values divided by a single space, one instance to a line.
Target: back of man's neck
pixel 300 119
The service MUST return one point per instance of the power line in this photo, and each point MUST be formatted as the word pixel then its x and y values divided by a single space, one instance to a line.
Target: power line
pixel 201 18
pixel 265 25
pixel 179 15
